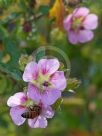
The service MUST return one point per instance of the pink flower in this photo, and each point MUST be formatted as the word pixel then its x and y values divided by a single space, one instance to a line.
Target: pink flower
pixel 47 96
pixel 19 104
pixel 79 25
pixel 45 74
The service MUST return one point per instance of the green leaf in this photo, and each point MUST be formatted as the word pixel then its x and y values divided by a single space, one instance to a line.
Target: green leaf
pixel 40 53
pixel 12 17
pixel 3 32
pixel 13 72
pixel 11 67
pixel 44 9
pixel 5 4
pixel 3 83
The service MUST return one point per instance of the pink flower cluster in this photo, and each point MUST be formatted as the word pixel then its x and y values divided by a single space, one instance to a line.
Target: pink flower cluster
pixel 79 25
pixel 45 84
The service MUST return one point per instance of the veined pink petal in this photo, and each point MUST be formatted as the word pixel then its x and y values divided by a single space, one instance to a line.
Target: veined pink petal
pixel 38 122
pixel 81 11
pixel 48 66
pixel 17 99
pixel 34 93
pixel 91 22
pixel 50 96
pixel 58 80
pixel 73 37
pixel 67 22
pixel 30 72
pixel 85 36
pixel 16 113
pixel 48 112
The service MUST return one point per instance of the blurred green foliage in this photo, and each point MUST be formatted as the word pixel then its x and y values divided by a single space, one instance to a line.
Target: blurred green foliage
pixel 23 29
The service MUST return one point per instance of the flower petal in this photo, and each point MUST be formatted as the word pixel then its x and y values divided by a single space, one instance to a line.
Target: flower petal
pixel 38 122
pixel 17 99
pixel 34 93
pixel 30 72
pixel 85 36
pixel 48 66
pixel 48 112
pixel 58 80
pixel 91 22
pixel 16 113
pixel 81 11
pixel 50 96
pixel 67 22
pixel 73 38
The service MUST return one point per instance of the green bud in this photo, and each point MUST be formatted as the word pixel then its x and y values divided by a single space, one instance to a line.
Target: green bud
pixel 61 66
pixel 57 104
pixel 73 83
pixel 23 60
pixel 57 34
